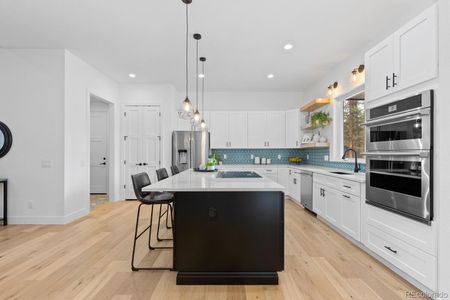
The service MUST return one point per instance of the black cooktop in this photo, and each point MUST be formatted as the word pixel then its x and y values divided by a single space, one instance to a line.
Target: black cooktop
pixel 238 174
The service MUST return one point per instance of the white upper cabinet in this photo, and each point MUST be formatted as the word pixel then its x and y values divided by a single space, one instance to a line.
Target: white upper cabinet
pixel 218 128
pixel 276 129
pixel 379 69
pixel 266 129
pixel 257 130
pixel 237 130
pixel 228 129
pixel 406 58
pixel 292 128
pixel 416 43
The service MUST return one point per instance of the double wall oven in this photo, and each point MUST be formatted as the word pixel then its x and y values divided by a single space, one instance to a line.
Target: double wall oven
pixel 399 157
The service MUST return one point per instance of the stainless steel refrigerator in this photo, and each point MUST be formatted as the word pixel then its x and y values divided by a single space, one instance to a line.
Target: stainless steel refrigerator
pixel 190 149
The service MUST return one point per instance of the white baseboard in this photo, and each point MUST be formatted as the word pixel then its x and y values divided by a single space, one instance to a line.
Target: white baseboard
pixel 47 220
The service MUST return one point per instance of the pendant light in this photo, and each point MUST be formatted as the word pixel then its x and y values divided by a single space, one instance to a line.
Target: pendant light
pixel 197 37
pixel 187 105
pixel 203 122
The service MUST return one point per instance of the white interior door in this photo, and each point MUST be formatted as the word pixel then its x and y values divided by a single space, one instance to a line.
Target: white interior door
pixel 99 152
pixel 150 141
pixel 141 144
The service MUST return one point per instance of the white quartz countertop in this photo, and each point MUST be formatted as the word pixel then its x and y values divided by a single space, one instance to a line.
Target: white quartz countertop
pixel 190 181
pixel 359 177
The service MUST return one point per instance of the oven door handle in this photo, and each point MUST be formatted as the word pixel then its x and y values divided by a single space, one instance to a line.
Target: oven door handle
pixel 403 116
pixel 396 153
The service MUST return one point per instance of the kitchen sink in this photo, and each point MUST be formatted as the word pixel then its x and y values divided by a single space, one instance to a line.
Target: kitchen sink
pixel 341 173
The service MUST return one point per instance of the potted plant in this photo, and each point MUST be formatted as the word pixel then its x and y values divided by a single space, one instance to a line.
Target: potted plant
pixel 320 119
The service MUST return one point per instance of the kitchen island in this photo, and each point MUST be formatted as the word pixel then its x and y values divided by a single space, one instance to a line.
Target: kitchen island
pixel 226 230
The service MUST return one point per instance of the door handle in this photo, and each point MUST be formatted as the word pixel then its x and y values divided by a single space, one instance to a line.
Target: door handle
pixel 387 82
pixel 394 84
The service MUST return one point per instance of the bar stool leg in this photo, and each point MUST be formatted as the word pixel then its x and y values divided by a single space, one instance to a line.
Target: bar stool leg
pixel 159 221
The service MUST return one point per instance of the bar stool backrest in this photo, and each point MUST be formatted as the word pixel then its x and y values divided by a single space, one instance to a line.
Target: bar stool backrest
pixel 162 174
pixel 140 180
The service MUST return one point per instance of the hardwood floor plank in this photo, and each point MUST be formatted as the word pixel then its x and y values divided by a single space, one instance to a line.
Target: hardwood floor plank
pixel 90 259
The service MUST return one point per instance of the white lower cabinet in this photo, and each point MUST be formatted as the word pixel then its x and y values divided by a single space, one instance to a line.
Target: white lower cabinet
pixel 283 178
pixel 414 262
pixel 333 203
pixel 294 185
pixel 332 206
pixel 318 200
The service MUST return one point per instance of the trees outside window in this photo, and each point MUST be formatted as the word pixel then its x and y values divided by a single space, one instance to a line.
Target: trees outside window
pixel 354 131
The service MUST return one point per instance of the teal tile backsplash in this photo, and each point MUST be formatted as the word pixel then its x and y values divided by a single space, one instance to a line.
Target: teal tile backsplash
pixel 316 157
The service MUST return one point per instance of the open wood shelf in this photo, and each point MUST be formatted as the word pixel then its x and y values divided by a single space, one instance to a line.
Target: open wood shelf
pixel 315 104
pixel 314 145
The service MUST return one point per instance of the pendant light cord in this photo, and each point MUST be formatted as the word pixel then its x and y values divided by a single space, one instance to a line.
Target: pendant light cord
pixel 187 50
pixel 203 87
pixel 196 80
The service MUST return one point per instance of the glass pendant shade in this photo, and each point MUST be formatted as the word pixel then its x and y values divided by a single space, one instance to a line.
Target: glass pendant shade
pixel 203 124
pixel 187 105
pixel 197 116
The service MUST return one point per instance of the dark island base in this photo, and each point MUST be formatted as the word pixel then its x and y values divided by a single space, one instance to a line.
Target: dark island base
pixel 227 278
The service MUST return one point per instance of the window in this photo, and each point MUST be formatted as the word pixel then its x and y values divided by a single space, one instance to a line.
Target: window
pixel 353 128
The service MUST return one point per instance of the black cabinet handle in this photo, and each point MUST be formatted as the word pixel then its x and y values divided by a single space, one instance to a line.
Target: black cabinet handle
pixel 145 164
pixel 347 186
pixel 394 84
pixel 345 196
pixel 390 249
pixel 387 83
pixel 139 164
pixel 103 164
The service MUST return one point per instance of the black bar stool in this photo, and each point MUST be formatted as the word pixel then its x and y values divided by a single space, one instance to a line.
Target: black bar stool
pixel 174 170
pixel 162 174
pixel 146 198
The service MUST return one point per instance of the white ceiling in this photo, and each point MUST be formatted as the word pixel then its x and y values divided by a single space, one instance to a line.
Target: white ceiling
pixel 242 39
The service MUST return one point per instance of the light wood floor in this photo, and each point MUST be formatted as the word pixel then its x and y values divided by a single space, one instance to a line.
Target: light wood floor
pixel 90 259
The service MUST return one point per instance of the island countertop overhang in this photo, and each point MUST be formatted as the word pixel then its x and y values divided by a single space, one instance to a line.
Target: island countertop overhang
pixel 191 181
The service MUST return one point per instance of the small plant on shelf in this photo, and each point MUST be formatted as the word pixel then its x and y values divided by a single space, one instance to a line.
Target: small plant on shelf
pixel 320 119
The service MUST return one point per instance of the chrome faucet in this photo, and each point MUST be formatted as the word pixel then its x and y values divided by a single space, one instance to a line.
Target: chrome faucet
pixel 357 166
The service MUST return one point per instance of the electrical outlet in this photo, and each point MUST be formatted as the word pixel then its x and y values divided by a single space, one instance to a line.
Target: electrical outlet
pixel 46 164
pixel 307 156
pixel 326 158
pixel 279 156
pixel 30 204
pixel 252 156
pixel 224 156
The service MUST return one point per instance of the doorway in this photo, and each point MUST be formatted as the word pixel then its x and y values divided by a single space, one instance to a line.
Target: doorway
pixel 99 151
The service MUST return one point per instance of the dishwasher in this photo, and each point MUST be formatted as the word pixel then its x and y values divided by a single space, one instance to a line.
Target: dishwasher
pixel 306 190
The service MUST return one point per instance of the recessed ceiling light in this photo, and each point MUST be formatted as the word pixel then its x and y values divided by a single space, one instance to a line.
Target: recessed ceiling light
pixel 288 46
pixel 270 76
pixel 201 75
pixel 131 75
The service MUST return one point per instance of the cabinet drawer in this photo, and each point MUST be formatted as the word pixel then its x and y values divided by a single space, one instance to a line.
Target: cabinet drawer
pixel 414 262
pixel 412 232
pixel 346 186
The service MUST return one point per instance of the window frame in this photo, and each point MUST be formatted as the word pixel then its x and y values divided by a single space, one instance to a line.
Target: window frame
pixel 337 147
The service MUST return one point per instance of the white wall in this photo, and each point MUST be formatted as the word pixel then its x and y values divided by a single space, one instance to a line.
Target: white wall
pixel 245 100
pixel 442 146
pixel 153 94
pixel 81 80
pixel 32 105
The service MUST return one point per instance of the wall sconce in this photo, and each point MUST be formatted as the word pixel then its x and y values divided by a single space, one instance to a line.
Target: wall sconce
pixel 357 71
pixel 332 87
